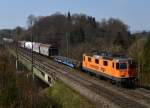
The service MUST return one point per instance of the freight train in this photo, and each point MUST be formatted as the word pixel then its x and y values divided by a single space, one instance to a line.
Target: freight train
pixel 43 49
pixel 116 68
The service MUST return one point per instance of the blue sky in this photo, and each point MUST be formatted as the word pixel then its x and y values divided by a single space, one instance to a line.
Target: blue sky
pixel 135 13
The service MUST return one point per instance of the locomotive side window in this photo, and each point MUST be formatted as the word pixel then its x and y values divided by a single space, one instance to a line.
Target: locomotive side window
pixel 117 65
pixel 113 65
pixel 96 61
pixel 89 59
pixel 105 63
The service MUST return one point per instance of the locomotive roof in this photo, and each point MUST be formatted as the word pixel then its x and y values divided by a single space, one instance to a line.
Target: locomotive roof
pixel 118 59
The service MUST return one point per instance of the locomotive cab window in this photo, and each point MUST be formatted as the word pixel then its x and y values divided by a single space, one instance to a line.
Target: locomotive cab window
pixel 89 59
pixel 121 66
pixel 96 61
pixel 105 63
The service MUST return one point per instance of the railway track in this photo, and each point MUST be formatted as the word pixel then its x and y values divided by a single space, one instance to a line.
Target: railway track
pixel 136 95
pixel 121 97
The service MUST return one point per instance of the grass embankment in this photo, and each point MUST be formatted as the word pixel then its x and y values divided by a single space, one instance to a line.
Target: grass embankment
pixel 66 97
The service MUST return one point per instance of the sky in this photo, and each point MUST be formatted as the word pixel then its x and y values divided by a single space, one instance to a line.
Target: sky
pixel 134 13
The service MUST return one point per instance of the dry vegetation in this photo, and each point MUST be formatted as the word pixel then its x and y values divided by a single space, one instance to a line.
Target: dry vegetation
pixel 16 91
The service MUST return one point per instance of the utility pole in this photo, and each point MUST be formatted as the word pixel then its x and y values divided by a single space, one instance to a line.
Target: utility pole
pixel 67 41
pixel 31 21
pixel 32 53
pixel 18 31
pixel 68 33
pixel 17 48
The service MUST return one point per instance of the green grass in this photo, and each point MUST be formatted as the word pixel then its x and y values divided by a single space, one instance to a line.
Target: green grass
pixel 66 97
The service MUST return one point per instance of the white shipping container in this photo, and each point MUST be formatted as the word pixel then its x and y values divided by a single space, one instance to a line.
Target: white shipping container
pixel 36 47
pixel 44 49
pixel 28 45
pixel 22 44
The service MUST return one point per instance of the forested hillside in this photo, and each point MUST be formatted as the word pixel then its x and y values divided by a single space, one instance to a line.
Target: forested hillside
pixel 81 31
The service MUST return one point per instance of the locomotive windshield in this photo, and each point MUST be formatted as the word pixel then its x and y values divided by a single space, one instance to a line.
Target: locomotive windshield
pixel 121 66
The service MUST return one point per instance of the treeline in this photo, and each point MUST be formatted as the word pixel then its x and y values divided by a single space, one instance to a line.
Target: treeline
pixel 80 31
